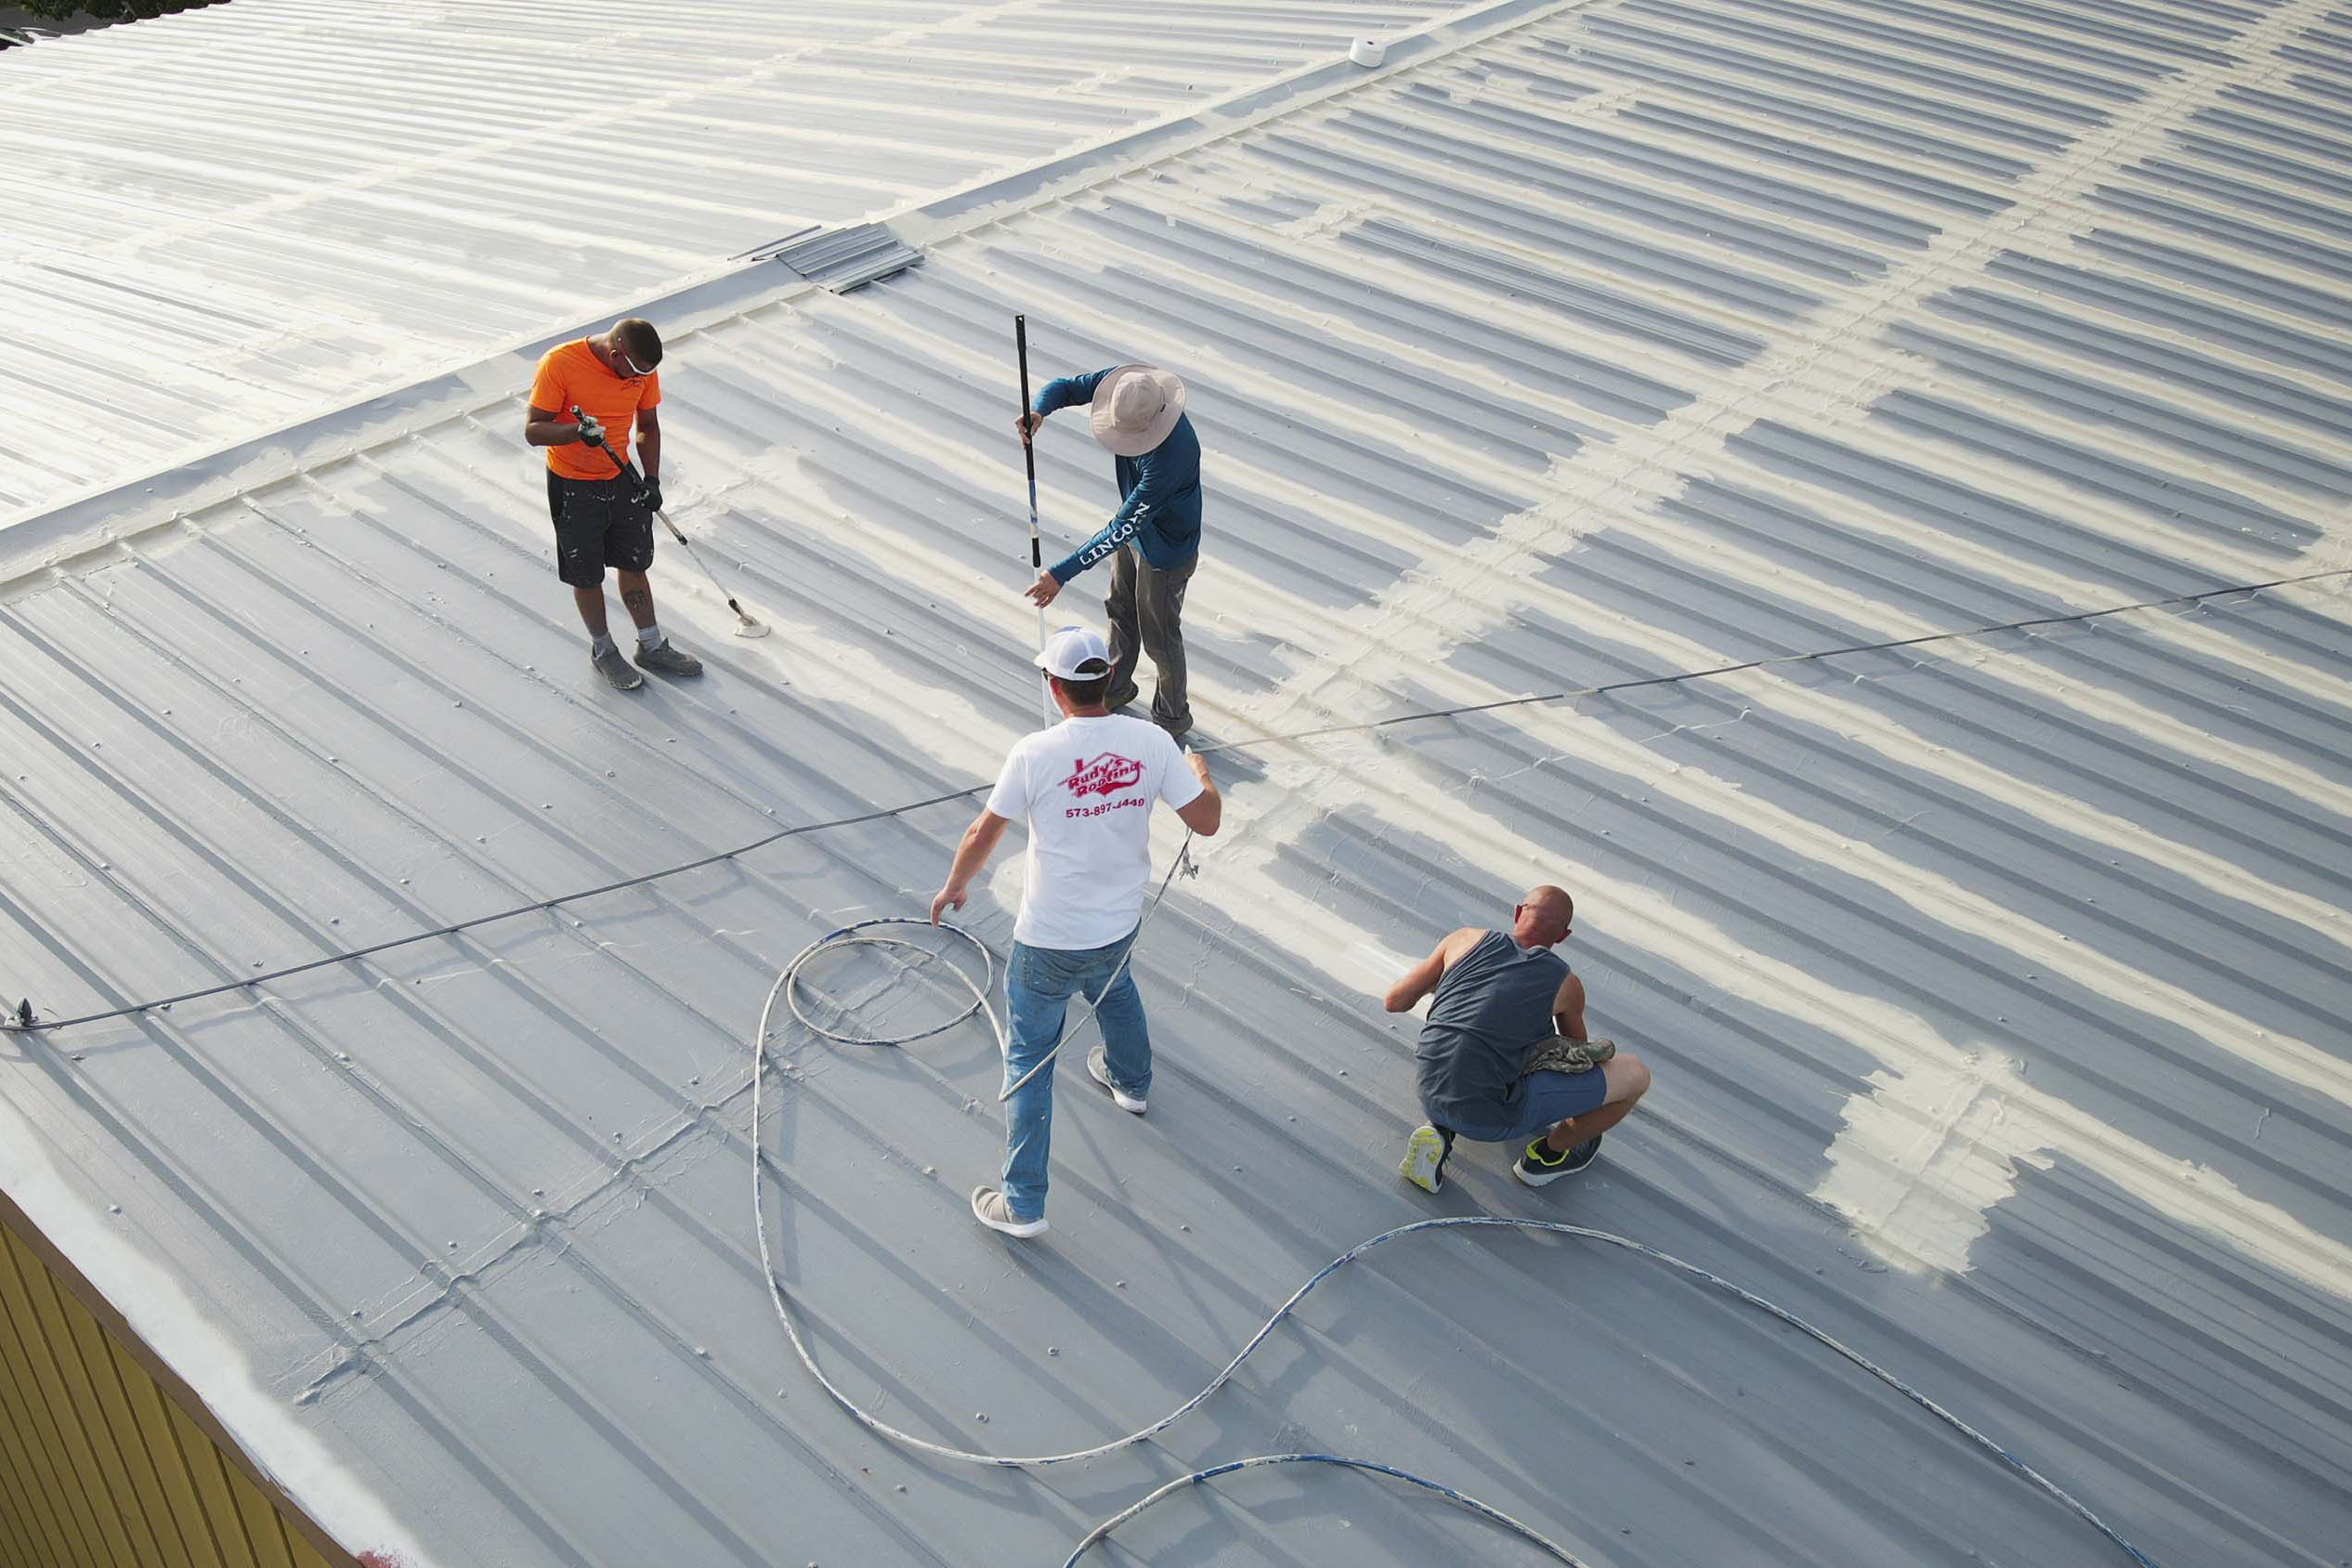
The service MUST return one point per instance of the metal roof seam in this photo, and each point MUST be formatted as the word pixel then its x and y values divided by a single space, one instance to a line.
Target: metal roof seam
pixel 40 1025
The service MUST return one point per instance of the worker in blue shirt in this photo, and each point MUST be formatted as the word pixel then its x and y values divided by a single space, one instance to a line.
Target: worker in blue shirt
pixel 1152 539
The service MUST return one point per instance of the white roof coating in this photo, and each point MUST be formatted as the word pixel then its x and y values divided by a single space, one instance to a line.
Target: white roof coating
pixel 1994 985
pixel 222 219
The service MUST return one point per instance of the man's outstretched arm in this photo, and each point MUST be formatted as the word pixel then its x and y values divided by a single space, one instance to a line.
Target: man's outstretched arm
pixel 1421 979
pixel 1060 394
pixel 1205 813
pixel 980 841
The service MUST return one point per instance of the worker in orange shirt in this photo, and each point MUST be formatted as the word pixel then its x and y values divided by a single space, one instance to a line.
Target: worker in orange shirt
pixel 604 518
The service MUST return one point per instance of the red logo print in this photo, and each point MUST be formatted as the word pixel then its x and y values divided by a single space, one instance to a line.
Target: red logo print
pixel 1105 775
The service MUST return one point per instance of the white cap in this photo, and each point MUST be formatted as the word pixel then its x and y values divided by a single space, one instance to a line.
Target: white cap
pixel 1072 648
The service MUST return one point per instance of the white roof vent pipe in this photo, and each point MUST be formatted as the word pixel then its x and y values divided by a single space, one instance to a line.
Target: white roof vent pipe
pixel 1367 52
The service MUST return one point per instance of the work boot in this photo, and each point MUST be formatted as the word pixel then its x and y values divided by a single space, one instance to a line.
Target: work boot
pixel 1538 1166
pixel 990 1208
pixel 615 669
pixel 1098 1062
pixel 666 656
pixel 1425 1155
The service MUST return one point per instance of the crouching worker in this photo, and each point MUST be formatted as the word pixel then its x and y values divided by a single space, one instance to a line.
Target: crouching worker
pixel 1503 1055
pixel 1085 788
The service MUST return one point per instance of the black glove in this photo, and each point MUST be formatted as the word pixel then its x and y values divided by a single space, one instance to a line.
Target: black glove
pixel 650 497
pixel 590 431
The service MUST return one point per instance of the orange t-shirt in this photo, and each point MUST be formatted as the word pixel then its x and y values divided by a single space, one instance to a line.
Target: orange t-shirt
pixel 571 374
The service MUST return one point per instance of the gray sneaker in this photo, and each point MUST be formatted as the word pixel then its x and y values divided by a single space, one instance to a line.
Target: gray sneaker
pixel 1098 1062
pixel 615 670
pixel 666 656
pixel 989 1207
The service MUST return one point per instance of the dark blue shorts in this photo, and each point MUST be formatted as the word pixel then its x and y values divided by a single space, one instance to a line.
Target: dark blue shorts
pixel 1545 1099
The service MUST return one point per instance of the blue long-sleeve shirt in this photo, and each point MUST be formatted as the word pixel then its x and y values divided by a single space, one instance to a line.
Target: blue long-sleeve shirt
pixel 1160 512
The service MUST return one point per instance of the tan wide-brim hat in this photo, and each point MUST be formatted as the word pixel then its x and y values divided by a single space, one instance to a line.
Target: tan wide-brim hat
pixel 1135 407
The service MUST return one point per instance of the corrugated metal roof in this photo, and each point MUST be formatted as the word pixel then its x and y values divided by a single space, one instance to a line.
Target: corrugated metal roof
pixel 220 220
pixel 1994 986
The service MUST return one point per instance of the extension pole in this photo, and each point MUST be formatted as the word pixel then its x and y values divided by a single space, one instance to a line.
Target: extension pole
pixel 1036 551
pixel 746 626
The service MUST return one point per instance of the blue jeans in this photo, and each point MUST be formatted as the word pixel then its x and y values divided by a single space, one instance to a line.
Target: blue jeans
pixel 1039 983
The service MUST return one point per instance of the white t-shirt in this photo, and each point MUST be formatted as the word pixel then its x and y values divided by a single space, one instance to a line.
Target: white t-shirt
pixel 1085 788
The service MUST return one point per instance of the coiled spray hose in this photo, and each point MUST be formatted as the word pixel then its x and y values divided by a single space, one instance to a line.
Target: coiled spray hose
pixel 866 933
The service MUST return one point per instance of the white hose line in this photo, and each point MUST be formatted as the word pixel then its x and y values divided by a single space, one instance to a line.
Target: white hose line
pixel 1488 1511
pixel 786 984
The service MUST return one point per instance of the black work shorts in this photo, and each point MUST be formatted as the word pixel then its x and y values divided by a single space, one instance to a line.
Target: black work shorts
pixel 598 524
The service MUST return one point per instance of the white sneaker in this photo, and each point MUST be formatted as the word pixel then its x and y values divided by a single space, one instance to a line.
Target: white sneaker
pixel 1098 1062
pixel 989 1207
pixel 1425 1155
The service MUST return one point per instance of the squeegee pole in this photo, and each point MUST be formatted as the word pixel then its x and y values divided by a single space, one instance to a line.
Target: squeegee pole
pixel 751 626
pixel 1036 551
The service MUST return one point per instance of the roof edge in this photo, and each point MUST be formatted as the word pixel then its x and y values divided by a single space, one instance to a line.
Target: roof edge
pixel 118 510
pixel 168 1381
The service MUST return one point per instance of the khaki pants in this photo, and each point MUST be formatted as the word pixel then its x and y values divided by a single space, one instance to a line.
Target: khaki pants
pixel 1145 609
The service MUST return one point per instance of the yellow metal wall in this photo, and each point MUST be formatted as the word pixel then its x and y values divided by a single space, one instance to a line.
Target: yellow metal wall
pixel 98 1467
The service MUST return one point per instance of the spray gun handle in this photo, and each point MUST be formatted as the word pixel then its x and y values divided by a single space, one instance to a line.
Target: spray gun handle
pixel 590 431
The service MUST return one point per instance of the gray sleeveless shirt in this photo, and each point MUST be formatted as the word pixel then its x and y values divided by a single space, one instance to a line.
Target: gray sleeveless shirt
pixel 1493 1008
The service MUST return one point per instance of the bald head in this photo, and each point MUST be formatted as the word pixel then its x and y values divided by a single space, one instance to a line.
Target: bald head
pixel 1543 916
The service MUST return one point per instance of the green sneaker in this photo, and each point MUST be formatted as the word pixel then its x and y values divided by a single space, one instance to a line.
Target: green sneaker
pixel 1538 1166
pixel 1425 1155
